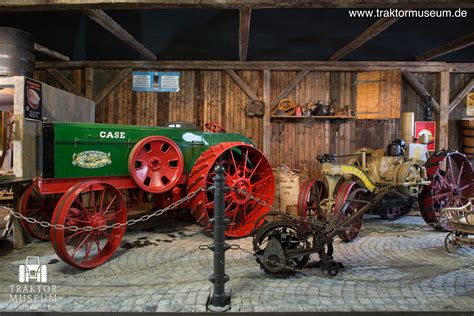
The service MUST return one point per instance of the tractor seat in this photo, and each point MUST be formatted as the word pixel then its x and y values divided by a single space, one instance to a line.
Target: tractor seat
pixel 326 158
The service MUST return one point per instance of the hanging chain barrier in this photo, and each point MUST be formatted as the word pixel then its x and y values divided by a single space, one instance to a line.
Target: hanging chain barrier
pixel 130 222
pixel 259 201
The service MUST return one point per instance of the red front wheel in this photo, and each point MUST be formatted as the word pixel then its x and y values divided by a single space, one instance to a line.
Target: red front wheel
pixel 89 203
pixel 156 164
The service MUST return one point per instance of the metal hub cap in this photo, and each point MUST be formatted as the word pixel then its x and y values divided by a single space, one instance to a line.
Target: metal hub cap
pixel 97 220
pixel 242 184
pixel 154 163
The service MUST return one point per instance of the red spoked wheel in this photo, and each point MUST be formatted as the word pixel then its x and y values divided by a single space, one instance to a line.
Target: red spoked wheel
pixel 452 184
pixel 39 206
pixel 156 164
pixel 349 199
pixel 311 194
pixel 214 127
pixel 246 169
pixel 89 203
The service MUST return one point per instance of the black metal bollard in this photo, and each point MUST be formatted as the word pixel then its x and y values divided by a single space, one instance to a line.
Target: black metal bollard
pixel 219 300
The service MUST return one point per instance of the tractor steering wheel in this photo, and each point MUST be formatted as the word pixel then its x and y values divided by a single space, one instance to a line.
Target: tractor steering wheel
pixel 214 127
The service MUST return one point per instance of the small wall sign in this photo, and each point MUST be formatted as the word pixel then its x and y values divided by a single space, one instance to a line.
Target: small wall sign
pixel 428 128
pixel 33 99
pixel 149 81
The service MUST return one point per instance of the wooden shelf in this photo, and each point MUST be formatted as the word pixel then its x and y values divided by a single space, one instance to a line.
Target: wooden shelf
pixel 329 117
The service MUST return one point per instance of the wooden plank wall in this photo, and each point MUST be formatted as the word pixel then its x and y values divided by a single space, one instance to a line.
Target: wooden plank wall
pixel 298 144
pixel 213 95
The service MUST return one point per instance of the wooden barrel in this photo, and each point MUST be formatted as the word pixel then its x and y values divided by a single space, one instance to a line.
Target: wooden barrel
pixel 467 128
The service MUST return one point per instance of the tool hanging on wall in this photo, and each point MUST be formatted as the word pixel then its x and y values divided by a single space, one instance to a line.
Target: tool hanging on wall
pixel 254 108
pixel 287 107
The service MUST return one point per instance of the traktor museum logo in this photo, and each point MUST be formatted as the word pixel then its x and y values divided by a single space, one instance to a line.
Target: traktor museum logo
pixel 33 293
pixel 32 270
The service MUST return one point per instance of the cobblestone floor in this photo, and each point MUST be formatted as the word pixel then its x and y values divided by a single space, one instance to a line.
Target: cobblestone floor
pixel 160 269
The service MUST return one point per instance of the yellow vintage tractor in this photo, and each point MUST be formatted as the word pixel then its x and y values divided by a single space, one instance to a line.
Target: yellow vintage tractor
pixel 343 188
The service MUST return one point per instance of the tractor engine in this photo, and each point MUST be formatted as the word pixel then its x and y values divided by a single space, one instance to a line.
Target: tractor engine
pixel 388 170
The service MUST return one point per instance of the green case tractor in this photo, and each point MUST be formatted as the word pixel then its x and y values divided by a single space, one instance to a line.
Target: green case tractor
pixel 91 173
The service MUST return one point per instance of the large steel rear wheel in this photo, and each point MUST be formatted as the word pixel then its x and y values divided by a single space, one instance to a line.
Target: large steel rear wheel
pixel 38 206
pixel 89 203
pixel 248 174
pixel 452 184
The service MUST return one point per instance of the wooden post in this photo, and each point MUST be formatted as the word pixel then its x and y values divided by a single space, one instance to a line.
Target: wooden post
pixel 267 129
pixel 443 117
pixel 89 78
pixel 244 31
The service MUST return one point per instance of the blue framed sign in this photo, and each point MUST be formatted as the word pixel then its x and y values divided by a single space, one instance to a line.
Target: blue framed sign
pixel 146 81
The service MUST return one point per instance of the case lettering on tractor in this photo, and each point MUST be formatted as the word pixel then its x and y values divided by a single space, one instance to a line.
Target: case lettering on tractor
pixel 105 134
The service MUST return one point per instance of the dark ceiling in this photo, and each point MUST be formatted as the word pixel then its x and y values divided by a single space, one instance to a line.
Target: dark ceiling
pixel 275 34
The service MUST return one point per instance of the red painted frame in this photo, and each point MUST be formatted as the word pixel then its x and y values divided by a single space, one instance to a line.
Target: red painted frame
pixel 57 186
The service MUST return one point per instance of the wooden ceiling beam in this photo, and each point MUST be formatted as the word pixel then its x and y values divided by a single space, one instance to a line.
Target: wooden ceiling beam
pixel 244 32
pixel 104 20
pixel 450 47
pixel 48 51
pixel 410 66
pixel 225 4
pixel 378 27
